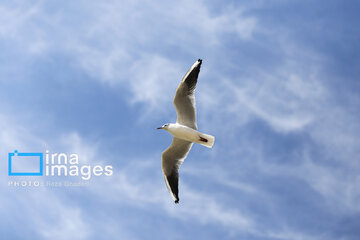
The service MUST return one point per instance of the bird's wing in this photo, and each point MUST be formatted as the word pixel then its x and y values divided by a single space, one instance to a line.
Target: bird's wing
pixel 184 100
pixel 171 160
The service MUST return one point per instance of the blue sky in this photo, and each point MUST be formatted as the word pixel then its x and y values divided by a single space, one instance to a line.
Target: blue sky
pixel 279 88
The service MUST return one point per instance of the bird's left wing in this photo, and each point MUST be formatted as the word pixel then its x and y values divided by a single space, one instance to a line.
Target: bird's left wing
pixel 171 160
pixel 184 100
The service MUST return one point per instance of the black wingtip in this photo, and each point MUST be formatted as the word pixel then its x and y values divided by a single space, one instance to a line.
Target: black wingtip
pixel 200 61
pixel 176 201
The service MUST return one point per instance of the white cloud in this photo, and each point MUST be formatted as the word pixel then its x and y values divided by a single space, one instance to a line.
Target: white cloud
pixel 18 25
pixel 286 101
pixel 12 20
pixel 67 221
pixel 119 57
pixel 154 80
pixel 207 209
pixel 337 185
pixel 113 45
pixel 43 211
pixel 337 131
pixel 215 173
pixel 130 185
pixel 73 143
pixel 123 45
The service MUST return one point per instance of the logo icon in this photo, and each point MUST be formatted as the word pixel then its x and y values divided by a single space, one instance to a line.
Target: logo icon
pixel 25 164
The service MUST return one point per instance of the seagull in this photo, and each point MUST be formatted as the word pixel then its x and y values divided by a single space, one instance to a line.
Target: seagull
pixel 184 131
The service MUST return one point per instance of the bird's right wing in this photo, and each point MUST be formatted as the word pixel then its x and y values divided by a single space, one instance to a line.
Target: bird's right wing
pixel 184 100
pixel 171 160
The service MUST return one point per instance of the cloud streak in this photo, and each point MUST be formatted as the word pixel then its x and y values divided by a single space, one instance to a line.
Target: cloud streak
pixel 97 78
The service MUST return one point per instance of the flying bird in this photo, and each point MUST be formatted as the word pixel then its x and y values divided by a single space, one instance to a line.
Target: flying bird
pixel 184 131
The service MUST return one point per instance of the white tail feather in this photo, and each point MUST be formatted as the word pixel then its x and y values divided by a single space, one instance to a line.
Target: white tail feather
pixel 206 140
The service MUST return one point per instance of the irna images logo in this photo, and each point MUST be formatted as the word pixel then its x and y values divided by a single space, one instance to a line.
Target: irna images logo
pixel 55 164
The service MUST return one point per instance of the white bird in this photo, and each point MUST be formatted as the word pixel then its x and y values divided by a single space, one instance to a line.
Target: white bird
pixel 184 131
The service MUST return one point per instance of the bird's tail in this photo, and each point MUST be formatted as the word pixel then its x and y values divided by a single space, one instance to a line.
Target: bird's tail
pixel 206 140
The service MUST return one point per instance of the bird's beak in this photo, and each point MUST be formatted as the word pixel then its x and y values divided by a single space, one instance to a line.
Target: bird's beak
pixel 159 128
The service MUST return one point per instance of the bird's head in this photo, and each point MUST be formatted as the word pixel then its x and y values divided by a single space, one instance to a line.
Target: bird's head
pixel 165 126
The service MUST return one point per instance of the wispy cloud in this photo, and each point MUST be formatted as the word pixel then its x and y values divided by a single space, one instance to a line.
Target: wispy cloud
pixel 41 209
pixel 285 162
pixel 126 186
pixel 134 186
pixel 120 48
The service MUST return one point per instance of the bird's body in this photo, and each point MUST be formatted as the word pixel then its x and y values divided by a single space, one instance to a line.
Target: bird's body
pixel 184 131
pixel 191 135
